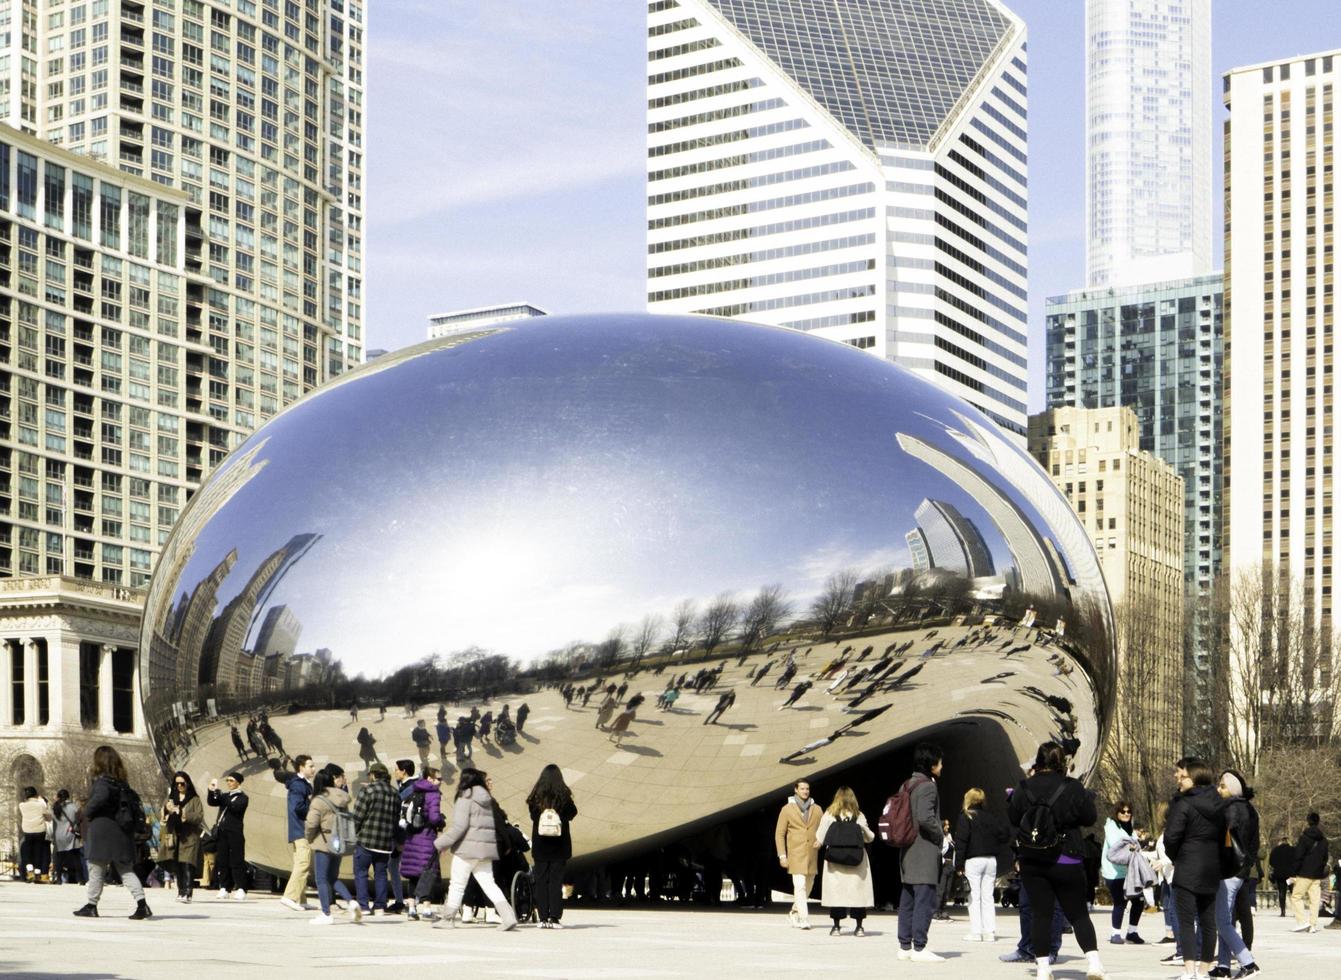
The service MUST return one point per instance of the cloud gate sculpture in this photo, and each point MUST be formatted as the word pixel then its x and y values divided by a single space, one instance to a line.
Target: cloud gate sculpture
pixel 585 533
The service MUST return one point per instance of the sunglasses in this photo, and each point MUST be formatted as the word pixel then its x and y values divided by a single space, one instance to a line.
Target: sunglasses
pixel 180 783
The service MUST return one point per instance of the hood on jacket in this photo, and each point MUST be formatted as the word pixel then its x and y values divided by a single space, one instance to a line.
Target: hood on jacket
pixel 424 786
pixel 1205 800
pixel 337 796
pixel 479 796
pixel 1313 833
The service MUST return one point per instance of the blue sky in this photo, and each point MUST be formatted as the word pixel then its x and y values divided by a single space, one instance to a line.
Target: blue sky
pixel 506 142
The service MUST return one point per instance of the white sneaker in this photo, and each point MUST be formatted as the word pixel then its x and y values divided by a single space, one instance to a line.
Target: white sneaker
pixel 289 903
pixel 223 893
pixel 1314 929
pixel 357 912
pixel 905 954
pixel 803 924
pixel 926 956
pixel 491 916
pixel 323 920
pixel 556 925
pixel 793 917
pixel 467 915
pixel 989 937
pixel 239 896
pixel 378 913
pixel 1301 929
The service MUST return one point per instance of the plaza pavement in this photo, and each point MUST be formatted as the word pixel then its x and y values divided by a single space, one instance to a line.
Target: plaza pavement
pixel 207 939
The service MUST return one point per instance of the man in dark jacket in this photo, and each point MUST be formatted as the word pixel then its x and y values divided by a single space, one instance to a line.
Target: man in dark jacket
pixel 1282 870
pixel 376 815
pixel 1310 855
pixel 299 786
pixel 230 858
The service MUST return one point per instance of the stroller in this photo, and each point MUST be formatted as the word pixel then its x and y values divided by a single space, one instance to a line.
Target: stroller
pixel 513 873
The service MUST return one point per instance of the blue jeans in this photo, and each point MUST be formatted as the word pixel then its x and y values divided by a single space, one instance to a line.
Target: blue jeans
pixel 1170 913
pixel 1231 943
pixel 327 868
pixel 916 905
pixel 363 859
pixel 1026 943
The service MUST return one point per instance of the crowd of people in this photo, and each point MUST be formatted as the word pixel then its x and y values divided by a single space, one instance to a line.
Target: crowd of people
pixel 1200 862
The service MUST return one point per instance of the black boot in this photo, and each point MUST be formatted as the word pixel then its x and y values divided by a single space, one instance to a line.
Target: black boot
pixel 142 910
pixel 89 911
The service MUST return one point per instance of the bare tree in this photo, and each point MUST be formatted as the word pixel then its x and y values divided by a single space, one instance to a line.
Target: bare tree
pixel 768 608
pixel 610 649
pixel 682 623
pixel 717 621
pixel 835 599
pixel 645 637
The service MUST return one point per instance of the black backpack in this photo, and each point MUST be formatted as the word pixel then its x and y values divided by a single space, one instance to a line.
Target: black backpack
pixel 502 839
pixel 415 817
pixel 844 843
pixel 1039 839
pixel 129 815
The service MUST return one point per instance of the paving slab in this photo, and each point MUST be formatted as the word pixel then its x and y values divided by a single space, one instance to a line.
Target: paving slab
pixel 259 938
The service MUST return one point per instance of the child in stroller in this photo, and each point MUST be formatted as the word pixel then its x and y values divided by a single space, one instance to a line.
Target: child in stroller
pixel 512 871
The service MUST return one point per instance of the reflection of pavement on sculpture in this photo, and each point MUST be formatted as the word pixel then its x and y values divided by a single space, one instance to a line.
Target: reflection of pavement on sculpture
pixel 670 768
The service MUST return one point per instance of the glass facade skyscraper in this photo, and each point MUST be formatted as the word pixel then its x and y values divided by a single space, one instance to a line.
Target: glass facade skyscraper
pixel 857 170
pixel 1148 140
pixel 244 119
pixel 1157 348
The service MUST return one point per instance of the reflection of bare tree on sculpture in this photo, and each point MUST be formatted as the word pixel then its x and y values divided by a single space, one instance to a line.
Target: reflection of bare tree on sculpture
pixel 765 611
pixel 645 638
pixel 835 600
pixel 685 616
pixel 717 621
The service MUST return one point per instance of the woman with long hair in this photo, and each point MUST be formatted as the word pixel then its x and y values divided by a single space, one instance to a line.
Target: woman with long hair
pixel 1120 843
pixel 552 808
pixel 473 841
pixel 979 836
pixel 1193 837
pixel 68 841
pixel 108 845
pixel 328 799
pixel 846 882
pixel 1244 836
pixel 183 818
pixel 35 819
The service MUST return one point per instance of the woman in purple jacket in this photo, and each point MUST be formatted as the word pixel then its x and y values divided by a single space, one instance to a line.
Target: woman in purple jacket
pixel 422 816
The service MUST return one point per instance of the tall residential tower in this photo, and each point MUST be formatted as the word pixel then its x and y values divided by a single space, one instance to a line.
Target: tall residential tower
pixel 1148 140
pixel 858 170
pixel 184 236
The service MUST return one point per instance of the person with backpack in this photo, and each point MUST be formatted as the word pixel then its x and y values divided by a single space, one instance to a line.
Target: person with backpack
pixel 552 810
pixel 419 858
pixel 111 813
pixel 230 855
pixel 1048 810
pixel 979 837
pixel 476 839
pixel 1120 842
pixel 1244 838
pixel 67 840
pixel 1310 855
pixel 914 826
pixel 1193 837
pixel 298 797
pixel 183 819
pixel 402 780
pixel 846 888
pixel 794 837
pixel 325 830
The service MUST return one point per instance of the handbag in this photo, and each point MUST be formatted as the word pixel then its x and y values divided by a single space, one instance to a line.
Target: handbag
pixel 209 839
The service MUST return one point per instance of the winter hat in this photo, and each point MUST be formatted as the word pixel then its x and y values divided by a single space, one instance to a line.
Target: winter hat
pixel 236 777
pixel 1233 782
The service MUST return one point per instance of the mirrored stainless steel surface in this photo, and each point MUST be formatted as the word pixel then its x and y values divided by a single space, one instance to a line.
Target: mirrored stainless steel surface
pixel 570 512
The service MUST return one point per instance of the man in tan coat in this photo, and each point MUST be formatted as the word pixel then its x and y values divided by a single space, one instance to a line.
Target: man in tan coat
pixel 795 840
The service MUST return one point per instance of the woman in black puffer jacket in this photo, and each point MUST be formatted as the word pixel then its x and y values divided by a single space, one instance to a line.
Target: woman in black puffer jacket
pixel 1193 837
pixel 1237 867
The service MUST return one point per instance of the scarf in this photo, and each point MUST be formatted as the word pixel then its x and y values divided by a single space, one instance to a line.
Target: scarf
pixel 804 806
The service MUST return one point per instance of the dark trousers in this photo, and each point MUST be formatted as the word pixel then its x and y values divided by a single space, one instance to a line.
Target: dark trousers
pixel 547 877
pixel 916 905
pixel 35 851
pixel 377 860
pixel 1053 885
pixel 70 866
pixel 1026 943
pixel 1244 902
pixel 838 913
pixel 231 860
pixel 426 881
pixel 1196 924
pixel 1282 896
pixel 1117 890
pixel 184 872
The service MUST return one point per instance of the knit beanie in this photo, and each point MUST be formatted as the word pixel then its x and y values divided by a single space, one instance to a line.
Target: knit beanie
pixel 1233 782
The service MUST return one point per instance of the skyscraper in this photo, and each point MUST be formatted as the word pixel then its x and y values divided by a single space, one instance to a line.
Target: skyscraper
pixel 1281 426
pixel 1158 348
pixel 242 119
pixel 1131 504
pixel 952 541
pixel 1148 140
pixel 857 170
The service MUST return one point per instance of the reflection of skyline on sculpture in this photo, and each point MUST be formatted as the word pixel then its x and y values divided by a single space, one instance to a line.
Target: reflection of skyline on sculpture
pixel 532 529
pixel 624 494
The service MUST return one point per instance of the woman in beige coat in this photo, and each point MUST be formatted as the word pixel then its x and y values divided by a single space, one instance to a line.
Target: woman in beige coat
pixel 847 887
pixel 794 837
